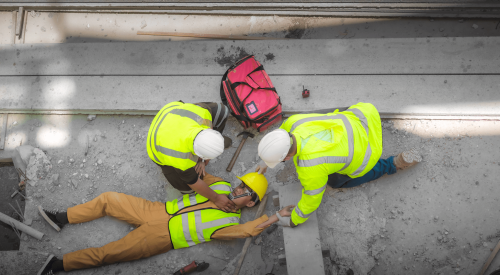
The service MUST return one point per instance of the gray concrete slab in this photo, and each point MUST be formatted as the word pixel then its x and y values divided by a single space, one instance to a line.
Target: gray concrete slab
pixel 302 243
pixel 470 55
pixel 68 27
pixel 425 95
pixel 7 28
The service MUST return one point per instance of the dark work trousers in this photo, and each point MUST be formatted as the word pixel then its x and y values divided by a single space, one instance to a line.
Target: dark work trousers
pixel 383 166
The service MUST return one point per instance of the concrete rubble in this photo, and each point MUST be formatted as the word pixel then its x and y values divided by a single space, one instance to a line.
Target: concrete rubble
pixel 439 217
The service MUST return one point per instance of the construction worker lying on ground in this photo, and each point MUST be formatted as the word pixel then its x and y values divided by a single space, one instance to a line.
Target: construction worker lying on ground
pixel 341 149
pixel 158 230
pixel 182 138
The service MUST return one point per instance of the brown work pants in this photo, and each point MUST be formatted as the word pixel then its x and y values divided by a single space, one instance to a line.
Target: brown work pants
pixel 151 237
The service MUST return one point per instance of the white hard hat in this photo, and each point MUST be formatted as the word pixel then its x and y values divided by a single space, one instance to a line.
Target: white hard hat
pixel 274 147
pixel 208 144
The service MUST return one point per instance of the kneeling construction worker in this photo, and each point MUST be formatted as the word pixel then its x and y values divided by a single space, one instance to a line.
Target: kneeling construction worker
pixel 158 230
pixel 341 149
pixel 182 138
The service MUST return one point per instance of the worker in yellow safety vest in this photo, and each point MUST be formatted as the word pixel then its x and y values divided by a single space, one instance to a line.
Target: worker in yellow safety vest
pixel 187 221
pixel 182 139
pixel 341 149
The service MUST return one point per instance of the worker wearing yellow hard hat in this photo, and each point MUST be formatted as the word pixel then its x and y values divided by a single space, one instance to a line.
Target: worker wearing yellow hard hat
pixel 187 221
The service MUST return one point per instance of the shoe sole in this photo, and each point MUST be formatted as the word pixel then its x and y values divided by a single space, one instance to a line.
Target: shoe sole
pixel 412 156
pixel 45 264
pixel 40 210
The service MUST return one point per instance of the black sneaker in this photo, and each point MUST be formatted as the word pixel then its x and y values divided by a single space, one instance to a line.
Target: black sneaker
pixel 47 266
pixel 50 217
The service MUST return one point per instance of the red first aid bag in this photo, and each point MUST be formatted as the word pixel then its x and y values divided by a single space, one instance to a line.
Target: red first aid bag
pixel 250 95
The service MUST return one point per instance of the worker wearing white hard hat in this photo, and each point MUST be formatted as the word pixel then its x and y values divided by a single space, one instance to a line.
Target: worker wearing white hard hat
pixel 341 149
pixel 182 139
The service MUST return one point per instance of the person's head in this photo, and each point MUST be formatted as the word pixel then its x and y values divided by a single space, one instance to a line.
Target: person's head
pixel 275 147
pixel 250 192
pixel 208 144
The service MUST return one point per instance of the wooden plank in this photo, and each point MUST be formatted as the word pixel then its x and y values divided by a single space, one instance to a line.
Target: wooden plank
pixel 302 243
pixel 3 130
pixel 477 55
pixel 19 20
pixel 208 35
pixel 424 95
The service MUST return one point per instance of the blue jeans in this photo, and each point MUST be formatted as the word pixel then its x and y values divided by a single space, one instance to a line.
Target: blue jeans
pixel 383 166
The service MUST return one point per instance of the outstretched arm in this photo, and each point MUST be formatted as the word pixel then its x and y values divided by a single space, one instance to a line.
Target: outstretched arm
pixel 285 212
pixel 221 200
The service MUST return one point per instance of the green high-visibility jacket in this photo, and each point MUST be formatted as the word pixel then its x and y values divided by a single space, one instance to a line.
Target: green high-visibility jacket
pixel 172 133
pixel 198 226
pixel 348 143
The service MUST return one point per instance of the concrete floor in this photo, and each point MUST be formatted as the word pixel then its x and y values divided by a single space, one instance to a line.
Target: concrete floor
pixel 436 218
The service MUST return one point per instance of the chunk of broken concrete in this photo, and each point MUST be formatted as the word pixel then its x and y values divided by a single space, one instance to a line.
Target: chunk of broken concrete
pixel 91 117
pixel 21 156
pixel 74 183
pixel 54 179
pixel 39 166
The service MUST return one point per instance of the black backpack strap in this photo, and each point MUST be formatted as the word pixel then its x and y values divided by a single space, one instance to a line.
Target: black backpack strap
pixel 222 95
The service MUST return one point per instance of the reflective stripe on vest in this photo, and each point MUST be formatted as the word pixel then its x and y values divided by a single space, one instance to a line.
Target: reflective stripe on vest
pixel 192 197
pixel 328 159
pixel 157 127
pixel 315 191
pixel 226 113
pixel 301 214
pixel 199 226
pixel 196 226
pixel 172 152
pixel 336 159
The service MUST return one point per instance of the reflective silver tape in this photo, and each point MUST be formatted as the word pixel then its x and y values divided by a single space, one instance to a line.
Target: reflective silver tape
pixel 219 222
pixel 157 126
pixel 301 214
pixel 361 118
pixel 321 160
pixel 176 154
pixel 226 113
pixel 180 203
pixel 192 199
pixel 368 152
pixel 315 191
pixel 220 187
pixel 217 115
pixel 330 159
pixel 185 229
pixel 191 115
pixel 198 223
pixel 366 159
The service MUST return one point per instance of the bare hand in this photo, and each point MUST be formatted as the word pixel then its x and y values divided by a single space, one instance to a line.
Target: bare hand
pixel 261 169
pixel 224 203
pixel 200 168
pixel 287 211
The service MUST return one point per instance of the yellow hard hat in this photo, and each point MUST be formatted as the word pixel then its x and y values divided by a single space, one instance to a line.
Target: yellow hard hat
pixel 257 182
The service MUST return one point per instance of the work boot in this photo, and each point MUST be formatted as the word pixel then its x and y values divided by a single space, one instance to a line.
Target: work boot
pixel 51 266
pixel 227 142
pixel 51 218
pixel 407 158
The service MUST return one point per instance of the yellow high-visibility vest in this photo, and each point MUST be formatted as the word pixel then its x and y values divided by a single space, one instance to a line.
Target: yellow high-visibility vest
pixel 198 226
pixel 172 133
pixel 348 143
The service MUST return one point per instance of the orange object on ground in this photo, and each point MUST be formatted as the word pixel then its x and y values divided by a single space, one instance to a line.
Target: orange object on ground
pixel 151 237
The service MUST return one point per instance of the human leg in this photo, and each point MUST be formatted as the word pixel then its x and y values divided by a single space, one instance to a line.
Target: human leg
pixel 382 167
pixel 131 209
pixel 175 179
pixel 147 240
